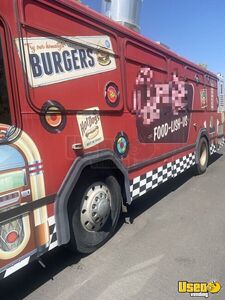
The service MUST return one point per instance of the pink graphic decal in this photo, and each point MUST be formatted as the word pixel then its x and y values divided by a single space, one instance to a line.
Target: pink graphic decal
pixel 162 108
pixel 149 97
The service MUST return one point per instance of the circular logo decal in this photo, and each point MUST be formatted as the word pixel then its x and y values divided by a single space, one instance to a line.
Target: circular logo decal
pixel 112 94
pixel 121 145
pixel 53 116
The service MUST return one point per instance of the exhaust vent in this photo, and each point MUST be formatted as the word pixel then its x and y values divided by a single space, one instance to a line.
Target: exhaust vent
pixel 125 12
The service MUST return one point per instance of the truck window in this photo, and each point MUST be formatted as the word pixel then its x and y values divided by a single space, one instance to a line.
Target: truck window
pixel 5 116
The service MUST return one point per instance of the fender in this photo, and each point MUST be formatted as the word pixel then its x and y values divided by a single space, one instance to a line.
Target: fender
pixel 62 197
pixel 202 133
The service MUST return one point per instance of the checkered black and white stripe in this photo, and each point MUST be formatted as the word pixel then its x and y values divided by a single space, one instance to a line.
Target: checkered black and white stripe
pixel 221 143
pixel 214 148
pixel 24 261
pixel 141 184
pixel 183 163
pixel 52 231
pixel 146 182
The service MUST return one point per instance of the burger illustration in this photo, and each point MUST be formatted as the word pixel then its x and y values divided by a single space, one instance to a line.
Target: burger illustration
pixel 103 57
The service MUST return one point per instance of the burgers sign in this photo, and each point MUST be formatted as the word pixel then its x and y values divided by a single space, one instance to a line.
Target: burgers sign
pixel 51 60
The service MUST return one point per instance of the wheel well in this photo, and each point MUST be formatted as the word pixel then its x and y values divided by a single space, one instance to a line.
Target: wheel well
pixel 92 163
pixel 100 168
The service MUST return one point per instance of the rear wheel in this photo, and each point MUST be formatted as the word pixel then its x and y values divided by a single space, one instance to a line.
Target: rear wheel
pixel 94 212
pixel 203 155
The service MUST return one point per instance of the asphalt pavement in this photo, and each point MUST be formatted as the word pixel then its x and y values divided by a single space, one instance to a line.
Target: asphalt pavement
pixel 177 233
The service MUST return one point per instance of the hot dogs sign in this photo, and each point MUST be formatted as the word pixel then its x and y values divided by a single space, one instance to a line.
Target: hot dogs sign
pixel 90 127
pixel 51 60
pixel 162 109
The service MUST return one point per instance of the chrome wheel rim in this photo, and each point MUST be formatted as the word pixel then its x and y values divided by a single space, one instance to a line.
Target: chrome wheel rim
pixel 95 207
pixel 203 155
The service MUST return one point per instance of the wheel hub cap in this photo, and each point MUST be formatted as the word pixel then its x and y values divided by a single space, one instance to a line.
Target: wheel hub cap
pixel 203 155
pixel 95 207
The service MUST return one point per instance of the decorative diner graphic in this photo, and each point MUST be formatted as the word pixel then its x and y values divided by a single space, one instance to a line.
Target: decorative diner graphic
pixel 21 182
pixel 162 109
pixel 50 60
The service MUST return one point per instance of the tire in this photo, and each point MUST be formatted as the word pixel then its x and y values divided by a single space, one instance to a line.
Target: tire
pixel 94 213
pixel 203 155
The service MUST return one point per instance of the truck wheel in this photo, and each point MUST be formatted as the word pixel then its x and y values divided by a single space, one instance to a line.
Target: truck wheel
pixel 95 213
pixel 203 154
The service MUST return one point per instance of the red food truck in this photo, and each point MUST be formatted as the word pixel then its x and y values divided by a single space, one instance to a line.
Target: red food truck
pixel 92 116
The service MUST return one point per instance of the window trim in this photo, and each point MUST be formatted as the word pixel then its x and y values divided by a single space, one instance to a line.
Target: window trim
pixel 10 73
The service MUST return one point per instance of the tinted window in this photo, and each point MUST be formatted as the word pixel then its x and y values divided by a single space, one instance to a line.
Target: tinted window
pixel 5 116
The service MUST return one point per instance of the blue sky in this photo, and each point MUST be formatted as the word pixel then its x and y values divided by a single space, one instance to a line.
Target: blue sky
pixel 194 29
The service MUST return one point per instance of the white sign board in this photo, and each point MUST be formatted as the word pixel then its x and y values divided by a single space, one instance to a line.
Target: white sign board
pixel 90 127
pixel 51 60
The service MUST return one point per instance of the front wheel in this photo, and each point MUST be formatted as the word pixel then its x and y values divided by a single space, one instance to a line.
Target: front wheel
pixel 203 155
pixel 95 212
